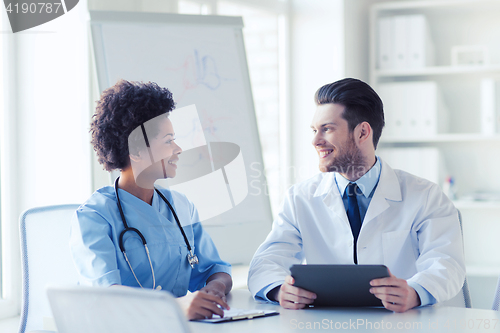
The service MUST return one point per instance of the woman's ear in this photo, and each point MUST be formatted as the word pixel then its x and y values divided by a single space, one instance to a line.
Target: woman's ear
pixel 135 157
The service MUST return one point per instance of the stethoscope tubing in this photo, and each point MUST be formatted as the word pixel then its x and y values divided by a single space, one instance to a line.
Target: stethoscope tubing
pixel 192 258
pixel 143 239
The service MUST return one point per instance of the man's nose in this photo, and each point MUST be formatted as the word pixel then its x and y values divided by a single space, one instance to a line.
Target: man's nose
pixel 317 139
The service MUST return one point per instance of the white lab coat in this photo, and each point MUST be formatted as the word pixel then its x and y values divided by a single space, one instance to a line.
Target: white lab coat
pixel 410 226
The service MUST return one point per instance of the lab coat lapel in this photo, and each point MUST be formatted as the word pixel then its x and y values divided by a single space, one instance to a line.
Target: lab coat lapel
pixel 388 188
pixel 332 199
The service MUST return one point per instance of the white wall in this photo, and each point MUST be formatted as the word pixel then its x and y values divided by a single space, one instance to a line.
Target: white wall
pixel 356 37
pixel 53 112
pixel 329 41
pixel 48 160
pixel 317 57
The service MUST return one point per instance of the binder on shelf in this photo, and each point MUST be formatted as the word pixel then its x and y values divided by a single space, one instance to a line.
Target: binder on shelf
pixel 424 162
pixel 404 41
pixel 432 165
pixel 386 95
pixel 413 109
pixel 400 41
pixel 490 115
pixel 430 107
pixel 393 97
pixel 420 46
pixel 384 40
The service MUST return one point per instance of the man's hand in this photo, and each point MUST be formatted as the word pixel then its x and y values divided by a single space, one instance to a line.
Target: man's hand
pixel 396 295
pixel 291 297
pixel 200 305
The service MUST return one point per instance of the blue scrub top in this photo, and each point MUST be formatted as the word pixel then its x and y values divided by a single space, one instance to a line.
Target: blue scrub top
pixel 96 227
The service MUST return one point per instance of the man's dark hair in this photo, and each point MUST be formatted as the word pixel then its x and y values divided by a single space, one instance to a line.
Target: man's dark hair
pixel 120 110
pixel 361 104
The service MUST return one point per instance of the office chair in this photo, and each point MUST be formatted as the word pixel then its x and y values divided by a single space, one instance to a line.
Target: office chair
pixel 462 299
pixel 465 287
pixel 496 300
pixel 46 260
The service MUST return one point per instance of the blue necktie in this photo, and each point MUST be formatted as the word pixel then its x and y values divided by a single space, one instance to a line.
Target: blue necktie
pixel 353 214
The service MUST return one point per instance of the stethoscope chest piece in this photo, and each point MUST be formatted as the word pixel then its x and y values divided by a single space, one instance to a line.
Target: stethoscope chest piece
pixel 192 258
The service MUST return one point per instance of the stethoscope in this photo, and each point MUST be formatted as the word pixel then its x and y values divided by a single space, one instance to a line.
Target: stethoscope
pixel 191 257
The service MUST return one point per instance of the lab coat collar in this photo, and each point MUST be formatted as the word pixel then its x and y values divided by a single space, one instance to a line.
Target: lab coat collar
pixel 326 184
pixel 388 185
pixel 366 183
pixel 332 198
pixel 388 188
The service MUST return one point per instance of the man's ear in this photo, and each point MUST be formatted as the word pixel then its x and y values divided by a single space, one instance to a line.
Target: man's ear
pixel 363 132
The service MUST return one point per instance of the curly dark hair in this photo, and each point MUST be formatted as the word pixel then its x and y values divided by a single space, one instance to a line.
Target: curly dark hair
pixel 122 108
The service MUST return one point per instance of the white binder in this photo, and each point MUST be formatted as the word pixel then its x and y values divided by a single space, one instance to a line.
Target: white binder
pixel 489 115
pixel 413 109
pixel 384 42
pixel 393 98
pixel 420 47
pixel 400 41
pixel 430 109
pixel 404 41
pixel 424 162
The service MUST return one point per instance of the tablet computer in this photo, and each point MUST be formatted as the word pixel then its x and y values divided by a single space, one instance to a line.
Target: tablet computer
pixel 339 285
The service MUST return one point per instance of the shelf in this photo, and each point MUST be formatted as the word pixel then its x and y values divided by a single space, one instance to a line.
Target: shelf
pixel 477 270
pixel 446 5
pixel 467 154
pixel 469 204
pixel 438 71
pixel 469 137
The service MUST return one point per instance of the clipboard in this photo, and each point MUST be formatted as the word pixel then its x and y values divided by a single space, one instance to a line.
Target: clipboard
pixel 239 314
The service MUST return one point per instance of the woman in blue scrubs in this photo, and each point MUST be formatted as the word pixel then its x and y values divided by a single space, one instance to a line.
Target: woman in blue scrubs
pixel 165 262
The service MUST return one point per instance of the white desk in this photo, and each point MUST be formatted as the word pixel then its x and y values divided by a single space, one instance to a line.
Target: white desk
pixel 427 319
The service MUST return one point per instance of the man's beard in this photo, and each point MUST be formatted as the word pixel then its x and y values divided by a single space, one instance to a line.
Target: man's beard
pixel 348 160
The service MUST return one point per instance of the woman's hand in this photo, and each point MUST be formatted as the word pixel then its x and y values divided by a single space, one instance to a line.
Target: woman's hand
pixel 219 284
pixel 216 288
pixel 209 300
pixel 201 305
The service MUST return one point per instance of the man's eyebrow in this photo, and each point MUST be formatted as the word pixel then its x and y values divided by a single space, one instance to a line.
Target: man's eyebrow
pixel 171 134
pixel 325 124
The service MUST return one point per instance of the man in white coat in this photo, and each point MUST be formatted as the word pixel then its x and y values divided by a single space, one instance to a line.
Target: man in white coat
pixel 359 210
